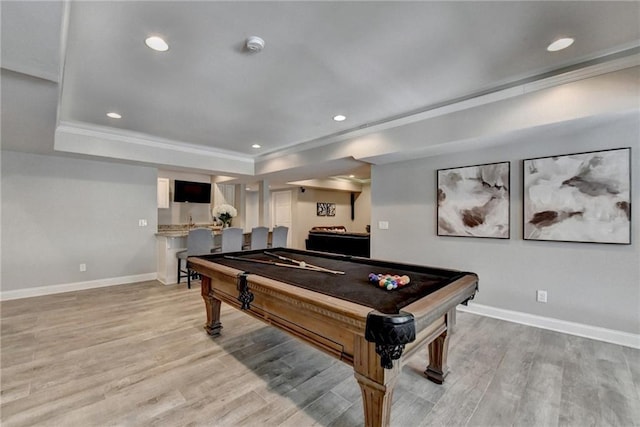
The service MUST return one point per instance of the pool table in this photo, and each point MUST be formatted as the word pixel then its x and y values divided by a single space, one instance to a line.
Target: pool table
pixel 342 313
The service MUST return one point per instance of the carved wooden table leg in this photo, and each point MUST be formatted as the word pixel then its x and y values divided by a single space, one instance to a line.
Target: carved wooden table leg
pixel 212 307
pixel 376 383
pixel 438 349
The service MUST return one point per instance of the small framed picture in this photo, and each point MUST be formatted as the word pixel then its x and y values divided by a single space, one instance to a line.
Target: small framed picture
pixel 325 209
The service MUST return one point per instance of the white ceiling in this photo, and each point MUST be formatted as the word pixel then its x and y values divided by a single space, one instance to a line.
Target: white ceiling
pixel 375 62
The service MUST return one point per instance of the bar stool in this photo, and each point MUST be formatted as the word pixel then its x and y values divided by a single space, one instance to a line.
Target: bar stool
pixel 279 237
pixel 259 237
pixel 232 239
pixel 199 242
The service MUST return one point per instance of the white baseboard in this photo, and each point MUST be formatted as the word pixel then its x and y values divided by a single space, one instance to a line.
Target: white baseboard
pixel 626 339
pixel 77 286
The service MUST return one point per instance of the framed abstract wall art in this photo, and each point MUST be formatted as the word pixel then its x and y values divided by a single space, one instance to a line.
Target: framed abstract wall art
pixel 583 197
pixel 473 201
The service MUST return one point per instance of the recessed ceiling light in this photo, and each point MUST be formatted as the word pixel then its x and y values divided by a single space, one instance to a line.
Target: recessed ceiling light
pixel 339 118
pixel 256 146
pixel 156 43
pixel 114 115
pixel 560 44
pixel 352 176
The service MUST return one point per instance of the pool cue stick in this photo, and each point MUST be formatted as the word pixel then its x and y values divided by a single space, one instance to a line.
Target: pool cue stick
pixel 278 264
pixel 314 267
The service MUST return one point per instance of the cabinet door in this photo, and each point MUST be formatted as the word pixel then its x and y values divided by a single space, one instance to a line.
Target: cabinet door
pixel 163 193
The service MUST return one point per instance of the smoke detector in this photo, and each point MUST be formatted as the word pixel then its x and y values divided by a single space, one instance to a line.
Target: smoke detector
pixel 255 44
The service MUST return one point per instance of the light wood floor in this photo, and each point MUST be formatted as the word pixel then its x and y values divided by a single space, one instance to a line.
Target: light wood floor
pixel 136 355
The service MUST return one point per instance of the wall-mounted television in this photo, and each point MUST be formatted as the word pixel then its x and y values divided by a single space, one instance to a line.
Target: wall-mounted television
pixel 192 192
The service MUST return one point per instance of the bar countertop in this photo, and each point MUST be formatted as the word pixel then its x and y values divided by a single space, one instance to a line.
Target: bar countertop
pixel 182 230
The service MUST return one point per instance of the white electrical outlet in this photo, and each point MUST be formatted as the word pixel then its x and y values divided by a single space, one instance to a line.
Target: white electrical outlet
pixel 142 223
pixel 83 267
pixel 383 225
pixel 541 296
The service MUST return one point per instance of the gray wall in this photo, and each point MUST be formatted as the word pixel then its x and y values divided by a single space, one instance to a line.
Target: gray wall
pixel 59 212
pixel 592 284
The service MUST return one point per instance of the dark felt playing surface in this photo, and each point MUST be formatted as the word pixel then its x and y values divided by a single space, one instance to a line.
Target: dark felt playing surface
pixel 354 285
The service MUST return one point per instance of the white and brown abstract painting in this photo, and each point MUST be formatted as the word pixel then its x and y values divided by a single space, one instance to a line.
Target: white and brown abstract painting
pixel 473 201
pixel 584 197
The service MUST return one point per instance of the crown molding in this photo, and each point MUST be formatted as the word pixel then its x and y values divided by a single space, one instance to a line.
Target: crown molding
pixel 88 129
pixel 95 141
pixel 30 71
pixel 589 68
pixel 329 184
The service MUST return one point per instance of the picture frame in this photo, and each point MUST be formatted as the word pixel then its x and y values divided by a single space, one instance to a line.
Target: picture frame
pixel 580 197
pixel 325 209
pixel 474 201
